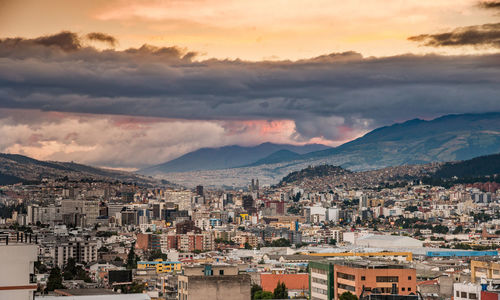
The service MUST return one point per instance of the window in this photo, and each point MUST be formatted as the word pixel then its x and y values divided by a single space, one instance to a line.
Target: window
pixel 472 296
pixel 363 278
pixel 319 280
pixel 403 289
pixel 387 279
pixel 346 276
pixel 463 295
pixel 409 277
pixel 345 287
pixel 409 289
pixel 221 272
pixel 458 294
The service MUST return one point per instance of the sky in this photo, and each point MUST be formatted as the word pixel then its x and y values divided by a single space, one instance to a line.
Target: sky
pixel 127 84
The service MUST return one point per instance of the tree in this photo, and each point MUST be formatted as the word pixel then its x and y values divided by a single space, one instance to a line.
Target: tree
pixel 348 296
pixel 458 229
pixel 158 254
pixel 263 295
pixel 333 242
pixel 55 280
pixel 280 292
pixel 255 288
pixel 248 246
pixel 131 258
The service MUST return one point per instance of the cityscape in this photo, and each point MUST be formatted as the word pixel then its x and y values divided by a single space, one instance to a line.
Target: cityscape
pixel 227 149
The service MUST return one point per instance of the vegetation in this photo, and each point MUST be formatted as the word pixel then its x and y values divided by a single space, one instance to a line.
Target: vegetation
pixel 132 258
pixel 312 172
pixel 280 292
pixel 55 280
pixel 73 272
pixel 157 255
pixel 348 296
pixel 279 243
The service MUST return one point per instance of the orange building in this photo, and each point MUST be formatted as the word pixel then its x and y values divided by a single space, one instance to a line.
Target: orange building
pixel 297 284
pixel 331 278
pixel 374 277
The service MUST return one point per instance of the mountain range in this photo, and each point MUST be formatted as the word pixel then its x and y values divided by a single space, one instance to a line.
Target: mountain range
pixel 417 141
pixel 231 157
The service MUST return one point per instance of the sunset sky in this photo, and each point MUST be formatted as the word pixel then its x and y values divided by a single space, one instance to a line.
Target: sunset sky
pixel 126 84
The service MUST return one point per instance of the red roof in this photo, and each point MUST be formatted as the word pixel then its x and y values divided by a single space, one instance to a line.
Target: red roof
pixel 292 281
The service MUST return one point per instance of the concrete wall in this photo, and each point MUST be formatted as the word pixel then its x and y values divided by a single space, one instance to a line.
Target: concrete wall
pixel 17 263
pixel 234 287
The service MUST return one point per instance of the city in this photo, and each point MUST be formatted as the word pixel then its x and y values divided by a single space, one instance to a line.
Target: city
pixel 245 150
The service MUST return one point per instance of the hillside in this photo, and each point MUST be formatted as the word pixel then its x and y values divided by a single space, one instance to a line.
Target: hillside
pixel 324 177
pixel 229 157
pixel 480 166
pixel 448 138
pixel 16 168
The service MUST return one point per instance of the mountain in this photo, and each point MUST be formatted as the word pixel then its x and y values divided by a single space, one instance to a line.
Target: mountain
pixel 277 157
pixel 15 168
pixel 488 165
pixel 230 157
pixel 448 138
pixel 444 139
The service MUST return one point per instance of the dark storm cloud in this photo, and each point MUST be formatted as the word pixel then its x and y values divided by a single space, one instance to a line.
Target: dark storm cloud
pixel 341 90
pixel 102 37
pixel 490 4
pixel 487 35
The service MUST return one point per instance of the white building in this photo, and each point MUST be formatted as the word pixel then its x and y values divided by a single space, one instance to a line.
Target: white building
pixel 17 275
pixel 466 291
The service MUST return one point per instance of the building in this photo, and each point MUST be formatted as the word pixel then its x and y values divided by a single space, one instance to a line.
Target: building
pixel 484 270
pixel 297 284
pixel 83 251
pixel 321 280
pixel 214 282
pixel 17 275
pixel 148 241
pixel 160 266
pixel 331 279
pixel 466 291
pixel 387 241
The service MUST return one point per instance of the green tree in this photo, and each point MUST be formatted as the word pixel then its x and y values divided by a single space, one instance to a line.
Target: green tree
pixel 132 258
pixel 280 292
pixel 263 295
pixel 458 229
pixel 333 242
pixel 348 296
pixel 55 280
pixel 248 246
pixel 255 288
pixel 158 254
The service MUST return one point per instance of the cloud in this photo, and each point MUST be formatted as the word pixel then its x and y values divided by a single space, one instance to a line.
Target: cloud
pixel 123 141
pixel 490 4
pixel 487 35
pixel 102 37
pixel 331 98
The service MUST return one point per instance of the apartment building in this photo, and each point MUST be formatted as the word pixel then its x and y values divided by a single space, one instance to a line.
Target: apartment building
pixel 330 279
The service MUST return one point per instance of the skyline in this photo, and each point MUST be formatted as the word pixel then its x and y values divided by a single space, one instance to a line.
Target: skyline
pixel 97 79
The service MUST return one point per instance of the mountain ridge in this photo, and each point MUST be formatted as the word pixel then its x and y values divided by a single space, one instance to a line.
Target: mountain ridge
pixel 17 168
pixel 231 156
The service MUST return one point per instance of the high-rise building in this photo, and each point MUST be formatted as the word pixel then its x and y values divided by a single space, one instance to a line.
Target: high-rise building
pixel 199 190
